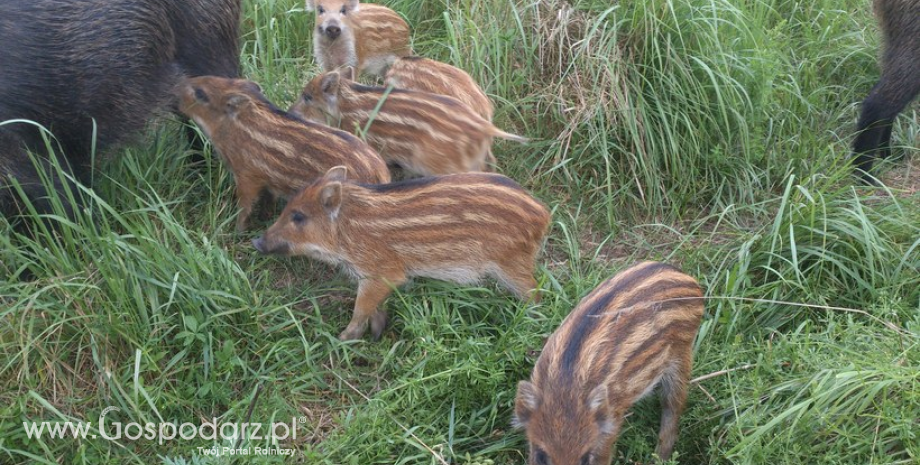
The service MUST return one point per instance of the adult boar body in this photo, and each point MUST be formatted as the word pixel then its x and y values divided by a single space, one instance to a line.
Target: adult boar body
pixel 898 85
pixel 93 72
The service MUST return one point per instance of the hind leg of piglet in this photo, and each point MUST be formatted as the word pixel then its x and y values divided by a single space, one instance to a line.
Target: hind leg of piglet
pixel 673 399
pixel 371 294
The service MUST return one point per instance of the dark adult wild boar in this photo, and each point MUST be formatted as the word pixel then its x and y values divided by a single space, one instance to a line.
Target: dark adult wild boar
pixel 267 149
pixel 459 228
pixel 631 334
pixel 898 86
pixel 67 63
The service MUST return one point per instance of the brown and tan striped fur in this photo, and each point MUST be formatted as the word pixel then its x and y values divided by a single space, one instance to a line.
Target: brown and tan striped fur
pixel 631 334
pixel 365 36
pixel 426 75
pixel 426 134
pixel 458 228
pixel 266 148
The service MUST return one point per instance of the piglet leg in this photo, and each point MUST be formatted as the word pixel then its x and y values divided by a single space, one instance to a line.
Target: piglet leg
pixel 371 294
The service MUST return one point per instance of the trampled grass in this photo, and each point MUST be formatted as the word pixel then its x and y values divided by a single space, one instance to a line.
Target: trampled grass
pixel 710 134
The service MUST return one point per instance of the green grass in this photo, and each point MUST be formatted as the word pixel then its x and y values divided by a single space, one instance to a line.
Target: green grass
pixel 710 134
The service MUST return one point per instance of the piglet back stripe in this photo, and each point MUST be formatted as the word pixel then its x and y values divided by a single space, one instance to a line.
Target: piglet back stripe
pixel 600 299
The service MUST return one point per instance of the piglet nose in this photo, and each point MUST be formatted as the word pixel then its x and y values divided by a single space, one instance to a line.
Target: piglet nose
pixel 333 32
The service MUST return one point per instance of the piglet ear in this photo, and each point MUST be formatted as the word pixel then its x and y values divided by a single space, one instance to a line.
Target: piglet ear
pixel 525 404
pixel 330 83
pixel 336 173
pixel 353 5
pixel 253 87
pixel 237 102
pixel 599 407
pixel 348 72
pixel 598 398
pixel 311 5
pixel 330 198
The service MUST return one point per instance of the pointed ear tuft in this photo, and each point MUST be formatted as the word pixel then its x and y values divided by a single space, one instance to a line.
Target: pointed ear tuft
pixel 336 173
pixel 331 198
pixel 525 404
pixel 311 5
pixel 330 83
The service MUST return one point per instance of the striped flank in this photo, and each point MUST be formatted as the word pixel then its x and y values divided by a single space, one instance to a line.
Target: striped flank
pixel 426 75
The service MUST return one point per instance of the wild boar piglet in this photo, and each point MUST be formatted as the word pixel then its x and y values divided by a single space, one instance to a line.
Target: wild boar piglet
pixel 459 228
pixel 424 133
pixel 365 36
pixel 266 148
pixel 632 333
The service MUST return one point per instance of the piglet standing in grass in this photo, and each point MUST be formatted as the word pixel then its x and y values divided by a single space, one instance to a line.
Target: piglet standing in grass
pixel 424 133
pixel 365 36
pixel 633 333
pixel 267 149
pixel 457 228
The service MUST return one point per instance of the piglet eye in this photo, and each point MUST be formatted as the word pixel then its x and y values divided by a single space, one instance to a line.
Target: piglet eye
pixel 343 10
pixel 298 218
pixel 320 10
pixel 307 98
pixel 540 457
pixel 200 95
pixel 587 459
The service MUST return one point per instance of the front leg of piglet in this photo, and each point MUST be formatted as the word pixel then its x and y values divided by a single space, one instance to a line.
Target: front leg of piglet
pixel 248 194
pixel 371 294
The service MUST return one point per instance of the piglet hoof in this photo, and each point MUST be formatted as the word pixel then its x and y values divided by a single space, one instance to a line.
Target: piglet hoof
pixel 351 334
pixel 378 324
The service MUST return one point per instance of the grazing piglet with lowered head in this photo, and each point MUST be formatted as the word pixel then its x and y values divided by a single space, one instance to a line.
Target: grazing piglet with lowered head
pixel 365 36
pixel 631 334
pixel 426 134
pixel 266 148
pixel 426 75
pixel 457 228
